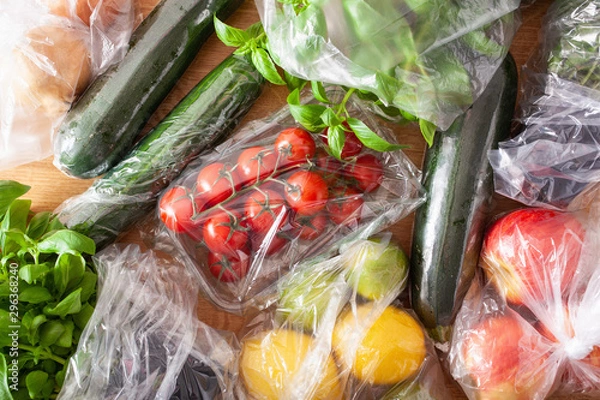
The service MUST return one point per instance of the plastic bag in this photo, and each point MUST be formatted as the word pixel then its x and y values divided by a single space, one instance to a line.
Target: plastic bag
pixel 244 214
pixel 337 332
pixel 431 59
pixel 143 341
pixel 556 154
pixel 50 52
pixel 532 330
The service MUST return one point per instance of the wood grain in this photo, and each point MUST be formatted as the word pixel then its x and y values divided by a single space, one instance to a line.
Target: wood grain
pixel 49 187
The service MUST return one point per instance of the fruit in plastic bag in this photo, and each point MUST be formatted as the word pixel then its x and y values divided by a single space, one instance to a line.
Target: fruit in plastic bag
pixel 54 66
pixel 86 10
pixel 270 360
pixel 391 350
pixel 525 250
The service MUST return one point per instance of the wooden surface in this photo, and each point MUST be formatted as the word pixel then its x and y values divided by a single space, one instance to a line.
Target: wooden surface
pixel 50 187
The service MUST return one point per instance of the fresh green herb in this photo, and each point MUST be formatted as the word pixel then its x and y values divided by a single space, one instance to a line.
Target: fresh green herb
pixel 314 117
pixel 47 294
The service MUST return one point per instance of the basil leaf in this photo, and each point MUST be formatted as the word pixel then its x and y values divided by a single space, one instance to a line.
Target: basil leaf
pixel 87 285
pixel 30 324
pixel 38 225
pixel 255 30
pixel 335 139
pixel 69 305
pixel 35 382
pixel 263 63
pixel 6 321
pixel 307 115
pixel 330 118
pixel 318 91
pixel 82 317
pixel 229 35
pixel 370 138
pixel 66 241
pixel 16 215
pixel 293 82
pixel 9 192
pixel 30 273
pixel 35 295
pixel 4 389
pixel 427 130
pixel 55 225
pixel 68 271
pixel 50 331
pixel 66 339
pixel 481 43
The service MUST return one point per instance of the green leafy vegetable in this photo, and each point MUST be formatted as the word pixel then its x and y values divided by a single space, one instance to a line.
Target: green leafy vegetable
pixel 48 295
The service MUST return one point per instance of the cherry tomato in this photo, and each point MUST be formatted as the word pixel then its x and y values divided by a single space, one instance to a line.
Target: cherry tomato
pixel 216 182
pixel 309 228
pixel 344 205
pixel 367 171
pixel 273 243
pixel 176 209
pixel 223 233
pixel 328 167
pixel 230 268
pixel 294 146
pixel 263 208
pixel 306 192
pixel 352 145
pixel 255 164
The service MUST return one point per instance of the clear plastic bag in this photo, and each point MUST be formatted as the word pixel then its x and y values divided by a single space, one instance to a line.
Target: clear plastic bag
pixel 556 154
pixel 532 329
pixel 143 341
pixel 50 52
pixel 245 213
pixel 329 337
pixel 431 59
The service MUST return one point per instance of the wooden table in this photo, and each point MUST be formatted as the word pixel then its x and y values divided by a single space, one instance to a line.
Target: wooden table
pixel 49 187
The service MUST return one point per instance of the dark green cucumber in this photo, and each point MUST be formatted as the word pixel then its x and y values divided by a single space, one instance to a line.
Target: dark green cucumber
pixel 103 124
pixel 448 228
pixel 206 116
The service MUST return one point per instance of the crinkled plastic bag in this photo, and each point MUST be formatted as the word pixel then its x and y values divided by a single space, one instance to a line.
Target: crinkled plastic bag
pixel 557 153
pixel 323 339
pixel 242 241
pixel 50 50
pixel 143 340
pixel 430 58
pixel 532 330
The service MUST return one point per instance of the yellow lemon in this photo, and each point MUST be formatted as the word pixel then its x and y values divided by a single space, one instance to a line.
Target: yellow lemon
pixel 385 352
pixel 271 360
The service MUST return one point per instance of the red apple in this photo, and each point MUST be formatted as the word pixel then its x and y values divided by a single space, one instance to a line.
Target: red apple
pixel 505 360
pixel 527 251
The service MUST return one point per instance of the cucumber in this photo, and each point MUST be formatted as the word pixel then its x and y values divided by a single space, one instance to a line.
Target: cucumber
pixel 206 116
pixel 448 228
pixel 102 125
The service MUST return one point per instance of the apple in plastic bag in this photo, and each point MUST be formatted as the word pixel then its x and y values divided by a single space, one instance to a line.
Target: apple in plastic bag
pixel 376 269
pixel 528 252
pixel 504 360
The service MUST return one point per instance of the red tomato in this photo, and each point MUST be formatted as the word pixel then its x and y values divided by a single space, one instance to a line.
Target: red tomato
pixel 223 234
pixel 328 167
pixel 294 146
pixel 344 205
pixel 230 268
pixel 263 208
pixel 306 192
pixel 176 209
pixel 367 171
pixel 216 182
pixel 255 164
pixel 273 243
pixel 352 145
pixel 309 228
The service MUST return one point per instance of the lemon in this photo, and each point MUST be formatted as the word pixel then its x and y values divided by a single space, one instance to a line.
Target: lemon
pixel 388 351
pixel 271 359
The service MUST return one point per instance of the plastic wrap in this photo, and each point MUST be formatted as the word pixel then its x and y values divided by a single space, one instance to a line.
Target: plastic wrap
pixel 50 51
pixel 555 155
pixel 431 59
pixel 143 341
pixel 244 214
pixel 532 329
pixel 332 335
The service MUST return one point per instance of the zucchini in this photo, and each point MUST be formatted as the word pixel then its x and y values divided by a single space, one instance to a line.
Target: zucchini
pixel 103 124
pixel 206 116
pixel 448 228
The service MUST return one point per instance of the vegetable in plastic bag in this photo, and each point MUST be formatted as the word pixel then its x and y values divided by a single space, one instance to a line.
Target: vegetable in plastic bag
pixel 532 330
pixel 245 213
pixel 430 59
pixel 143 340
pixel 50 52
pixel 325 339
pixel 555 156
